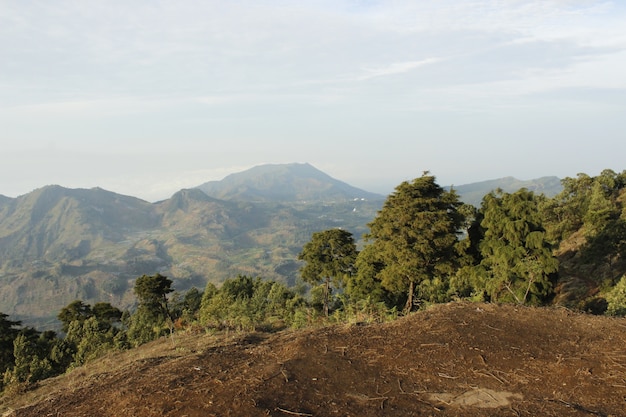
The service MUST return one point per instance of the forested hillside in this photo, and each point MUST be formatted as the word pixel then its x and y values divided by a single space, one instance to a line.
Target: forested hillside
pixel 59 244
pixel 450 360
pixel 423 246
pixel 474 193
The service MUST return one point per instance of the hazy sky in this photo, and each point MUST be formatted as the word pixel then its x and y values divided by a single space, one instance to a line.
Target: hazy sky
pixel 148 97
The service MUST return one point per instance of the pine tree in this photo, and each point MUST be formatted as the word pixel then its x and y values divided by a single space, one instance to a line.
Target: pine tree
pixel 330 258
pixel 148 322
pixel 8 333
pixel 414 237
pixel 516 255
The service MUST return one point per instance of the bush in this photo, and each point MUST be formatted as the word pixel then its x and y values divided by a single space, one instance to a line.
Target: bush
pixel 616 299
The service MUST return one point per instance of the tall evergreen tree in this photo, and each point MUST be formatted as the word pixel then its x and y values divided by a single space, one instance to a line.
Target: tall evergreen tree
pixel 414 237
pixel 74 311
pixel 148 322
pixel 8 333
pixel 330 258
pixel 364 285
pixel 516 256
pixel 152 291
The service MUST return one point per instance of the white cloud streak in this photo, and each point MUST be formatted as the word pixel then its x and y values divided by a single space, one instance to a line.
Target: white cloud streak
pixel 396 68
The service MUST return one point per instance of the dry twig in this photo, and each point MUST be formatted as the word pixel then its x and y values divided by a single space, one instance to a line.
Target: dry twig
pixel 487 373
pixel 293 413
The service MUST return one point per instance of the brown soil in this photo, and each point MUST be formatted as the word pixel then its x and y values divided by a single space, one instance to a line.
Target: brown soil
pixel 458 359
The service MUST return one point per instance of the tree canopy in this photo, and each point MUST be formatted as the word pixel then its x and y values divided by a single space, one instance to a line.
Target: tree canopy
pixel 330 257
pixel 414 237
pixel 517 258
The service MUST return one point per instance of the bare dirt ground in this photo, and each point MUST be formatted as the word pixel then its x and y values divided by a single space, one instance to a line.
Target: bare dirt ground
pixel 458 359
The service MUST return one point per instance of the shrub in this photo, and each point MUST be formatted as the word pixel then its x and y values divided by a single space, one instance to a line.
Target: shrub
pixel 616 299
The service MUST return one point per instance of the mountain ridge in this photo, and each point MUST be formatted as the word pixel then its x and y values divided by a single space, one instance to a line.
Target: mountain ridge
pixel 283 182
pixel 473 193
pixel 469 192
pixel 59 244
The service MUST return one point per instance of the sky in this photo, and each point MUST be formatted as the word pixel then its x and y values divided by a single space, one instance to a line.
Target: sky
pixel 147 97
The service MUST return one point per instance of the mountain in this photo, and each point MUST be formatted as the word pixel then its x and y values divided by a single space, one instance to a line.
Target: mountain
pixel 54 220
pixel 473 193
pixel 59 244
pixel 286 183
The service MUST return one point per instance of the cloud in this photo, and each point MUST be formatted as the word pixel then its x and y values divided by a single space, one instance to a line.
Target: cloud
pixel 396 68
pixel 245 81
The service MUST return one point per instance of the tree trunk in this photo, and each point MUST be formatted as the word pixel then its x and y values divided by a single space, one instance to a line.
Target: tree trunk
pixel 409 301
pixel 326 295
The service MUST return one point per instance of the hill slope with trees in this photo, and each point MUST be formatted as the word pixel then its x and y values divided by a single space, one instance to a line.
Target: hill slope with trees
pixel 59 244
pixel 459 359
pixel 423 247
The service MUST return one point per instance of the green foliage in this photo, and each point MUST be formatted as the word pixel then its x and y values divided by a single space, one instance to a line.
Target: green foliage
pixel 592 211
pixel 616 299
pixel 565 213
pixel 365 285
pixel 517 260
pixel 106 314
pixel 78 311
pixel 74 311
pixel 91 339
pixel 8 333
pixel 90 331
pixel 363 310
pixel 247 303
pixel 152 290
pixel 145 325
pixel 413 240
pixel 26 355
pixel 330 257
pixel 184 309
pixel 31 351
pixel 473 283
pixel 585 203
pixel 153 317
pixel 607 244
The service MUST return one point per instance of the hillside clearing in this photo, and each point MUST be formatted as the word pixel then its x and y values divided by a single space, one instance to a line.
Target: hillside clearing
pixel 457 359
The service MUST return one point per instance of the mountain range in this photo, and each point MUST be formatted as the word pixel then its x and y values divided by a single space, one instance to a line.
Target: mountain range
pixel 59 244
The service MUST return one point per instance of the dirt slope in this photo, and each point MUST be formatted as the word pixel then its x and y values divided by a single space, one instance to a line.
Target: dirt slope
pixel 452 360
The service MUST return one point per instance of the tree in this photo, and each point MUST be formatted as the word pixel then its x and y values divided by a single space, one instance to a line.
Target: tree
pixel 148 322
pixel 516 256
pixel 414 237
pixel 585 203
pixel 74 311
pixel 616 299
pixel 248 303
pixel 89 340
pixel 192 301
pixel 184 307
pixel 31 350
pixel 365 287
pixel 106 314
pixel 565 212
pixel 329 257
pixel 152 293
pixel 8 333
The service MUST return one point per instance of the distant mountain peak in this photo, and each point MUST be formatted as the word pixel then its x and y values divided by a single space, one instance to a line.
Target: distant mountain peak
pixel 473 193
pixel 283 182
